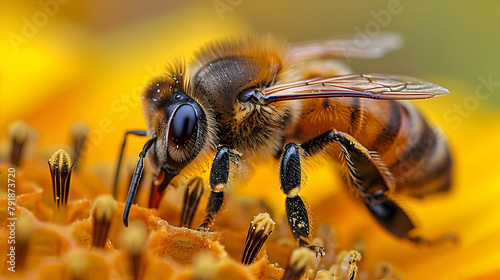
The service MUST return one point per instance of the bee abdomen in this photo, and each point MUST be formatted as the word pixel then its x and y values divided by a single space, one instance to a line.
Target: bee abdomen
pixel 420 140
pixel 390 130
pixel 417 155
pixel 434 173
pixel 424 161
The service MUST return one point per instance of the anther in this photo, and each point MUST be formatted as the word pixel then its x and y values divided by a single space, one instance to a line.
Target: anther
pixel 79 133
pixel 260 229
pixel 323 275
pixel 192 196
pixel 300 261
pixel 346 267
pixel 18 133
pixel 133 241
pixel 77 267
pixel 205 266
pixel 104 210
pixel 60 166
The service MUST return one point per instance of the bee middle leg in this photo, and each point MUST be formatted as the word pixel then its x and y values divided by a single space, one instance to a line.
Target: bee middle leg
pixel 370 180
pixel 291 174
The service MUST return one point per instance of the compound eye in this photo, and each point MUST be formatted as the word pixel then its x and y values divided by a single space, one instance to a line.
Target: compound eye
pixel 183 124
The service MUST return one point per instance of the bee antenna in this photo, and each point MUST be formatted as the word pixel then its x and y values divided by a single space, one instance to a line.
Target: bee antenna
pixel 119 163
pixel 135 181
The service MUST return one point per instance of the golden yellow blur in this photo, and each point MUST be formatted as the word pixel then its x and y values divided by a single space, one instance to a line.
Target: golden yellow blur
pixel 66 61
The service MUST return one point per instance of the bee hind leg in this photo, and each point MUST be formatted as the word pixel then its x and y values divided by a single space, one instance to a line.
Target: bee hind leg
pixel 367 175
pixel 394 219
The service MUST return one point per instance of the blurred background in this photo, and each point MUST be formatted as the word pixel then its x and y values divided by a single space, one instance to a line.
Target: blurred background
pixel 90 60
pixel 65 61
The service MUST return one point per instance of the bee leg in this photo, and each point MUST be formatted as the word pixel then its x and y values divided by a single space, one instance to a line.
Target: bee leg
pixel 117 173
pixel 135 181
pixel 369 178
pixel 390 216
pixel 219 176
pixel 192 197
pixel 298 216
pixel 394 219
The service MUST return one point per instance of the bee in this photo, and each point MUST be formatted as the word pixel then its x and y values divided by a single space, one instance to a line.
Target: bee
pixel 256 98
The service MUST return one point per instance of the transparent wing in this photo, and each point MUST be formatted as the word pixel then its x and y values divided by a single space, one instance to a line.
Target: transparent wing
pixel 355 47
pixel 375 86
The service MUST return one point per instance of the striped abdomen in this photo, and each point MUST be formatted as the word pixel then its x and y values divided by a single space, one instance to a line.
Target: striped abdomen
pixel 417 155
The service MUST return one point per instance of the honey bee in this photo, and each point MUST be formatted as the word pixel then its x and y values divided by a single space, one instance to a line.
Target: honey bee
pixel 249 99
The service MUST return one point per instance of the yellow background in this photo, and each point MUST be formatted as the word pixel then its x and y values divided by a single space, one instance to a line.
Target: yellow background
pixel 88 60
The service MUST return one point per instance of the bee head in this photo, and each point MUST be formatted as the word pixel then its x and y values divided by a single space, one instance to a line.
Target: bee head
pixel 180 123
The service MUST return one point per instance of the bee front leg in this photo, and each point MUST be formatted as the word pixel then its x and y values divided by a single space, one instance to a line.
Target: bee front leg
pixel 120 157
pixel 219 176
pixel 367 175
pixel 291 180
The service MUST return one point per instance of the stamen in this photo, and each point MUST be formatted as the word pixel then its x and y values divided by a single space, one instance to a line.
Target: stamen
pixel 77 266
pixel 192 196
pixel 79 132
pixel 300 261
pixel 323 275
pixel 60 166
pixel 104 209
pixel 346 267
pixel 260 229
pixel 18 133
pixel 133 240
pixel 205 266
pixel 23 233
